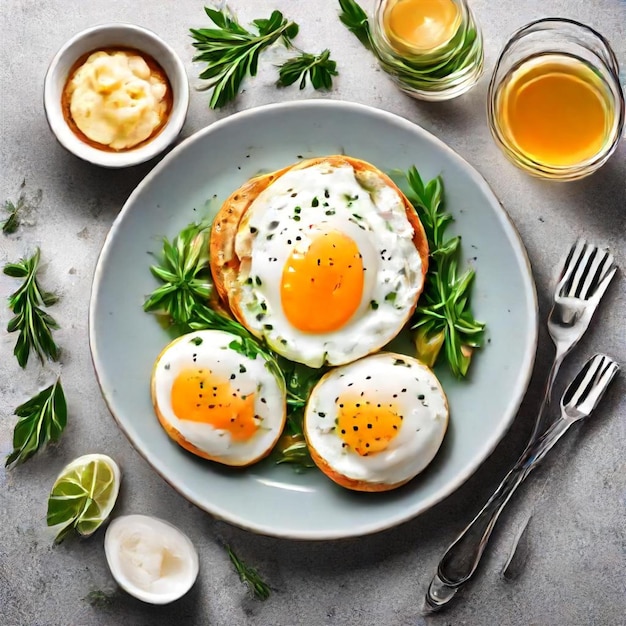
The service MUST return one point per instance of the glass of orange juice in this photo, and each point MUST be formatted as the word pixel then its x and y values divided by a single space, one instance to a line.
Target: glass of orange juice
pixel 432 49
pixel 555 104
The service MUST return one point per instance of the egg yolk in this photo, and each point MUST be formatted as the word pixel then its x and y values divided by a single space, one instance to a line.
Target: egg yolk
pixel 368 426
pixel 198 396
pixel 322 287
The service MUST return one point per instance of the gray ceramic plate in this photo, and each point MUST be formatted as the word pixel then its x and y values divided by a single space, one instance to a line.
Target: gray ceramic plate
pixel 125 341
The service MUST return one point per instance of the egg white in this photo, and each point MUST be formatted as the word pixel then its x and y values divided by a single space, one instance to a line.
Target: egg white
pixel 418 395
pixel 363 207
pixel 210 350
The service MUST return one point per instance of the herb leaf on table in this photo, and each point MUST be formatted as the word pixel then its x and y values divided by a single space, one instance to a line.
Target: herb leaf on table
pixel 356 21
pixel 319 68
pixel 249 576
pixel 12 222
pixel 231 52
pixel 41 419
pixel 35 326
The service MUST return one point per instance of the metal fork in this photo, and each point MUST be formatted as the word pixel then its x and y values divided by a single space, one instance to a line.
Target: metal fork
pixel 459 563
pixel 585 277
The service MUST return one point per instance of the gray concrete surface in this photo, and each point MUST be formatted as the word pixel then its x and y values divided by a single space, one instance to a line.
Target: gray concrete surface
pixel 574 575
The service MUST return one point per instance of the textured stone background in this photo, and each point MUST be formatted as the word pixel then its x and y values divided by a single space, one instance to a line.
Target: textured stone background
pixel 574 575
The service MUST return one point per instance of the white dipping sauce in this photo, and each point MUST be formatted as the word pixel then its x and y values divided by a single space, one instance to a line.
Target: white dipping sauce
pixel 150 559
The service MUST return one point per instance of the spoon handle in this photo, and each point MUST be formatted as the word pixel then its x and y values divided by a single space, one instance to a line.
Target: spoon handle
pixel 461 559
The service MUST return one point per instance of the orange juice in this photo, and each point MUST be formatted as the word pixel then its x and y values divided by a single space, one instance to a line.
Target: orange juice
pixel 420 26
pixel 555 110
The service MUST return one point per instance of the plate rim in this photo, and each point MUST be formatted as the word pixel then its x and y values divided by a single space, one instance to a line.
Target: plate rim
pixel 518 248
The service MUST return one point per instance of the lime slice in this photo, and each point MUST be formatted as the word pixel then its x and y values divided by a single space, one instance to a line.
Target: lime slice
pixel 83 495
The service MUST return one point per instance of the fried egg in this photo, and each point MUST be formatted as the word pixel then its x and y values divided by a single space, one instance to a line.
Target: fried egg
pixel 374 424
pixel 329 269
pixel 215 401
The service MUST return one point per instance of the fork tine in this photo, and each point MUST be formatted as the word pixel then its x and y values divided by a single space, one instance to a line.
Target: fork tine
pixel 604 284
pixel 602 263
pixel 579 388
pixel 581 270
pixel 604 377
pixel 571 263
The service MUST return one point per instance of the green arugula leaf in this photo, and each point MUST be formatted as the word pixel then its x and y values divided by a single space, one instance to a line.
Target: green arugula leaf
pixel 249 576
pixel 231 52
pixel 41 419
pixel 35 326
pixel 357 22
pixel 443 317
pixel 319 68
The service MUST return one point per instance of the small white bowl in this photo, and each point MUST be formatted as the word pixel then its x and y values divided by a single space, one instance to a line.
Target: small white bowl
pixel 111 36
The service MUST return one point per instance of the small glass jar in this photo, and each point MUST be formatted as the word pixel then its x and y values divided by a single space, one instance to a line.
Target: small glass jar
pixel 432 49
pixel 555 104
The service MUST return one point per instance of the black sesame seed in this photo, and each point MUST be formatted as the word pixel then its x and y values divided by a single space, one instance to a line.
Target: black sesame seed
pixel 258 280
pixel 421 396
pixel 326 193
pixel 253 230
pixel 343 432
pixel 232 376
pixel 242 369
pixel 355 428
pixel 272 225
pixel 321 414
pixel 315 202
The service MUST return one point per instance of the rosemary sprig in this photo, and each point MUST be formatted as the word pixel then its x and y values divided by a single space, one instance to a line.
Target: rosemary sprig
pixel 231 52
pixel 356 21
pixel 184 270
pixel 35 326
pixel 41 419
pixel 249 576
pixel 444 316
pixel 320 69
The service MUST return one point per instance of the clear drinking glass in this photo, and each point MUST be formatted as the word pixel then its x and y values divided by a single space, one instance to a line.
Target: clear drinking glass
pixel 555 103
pixel 444 64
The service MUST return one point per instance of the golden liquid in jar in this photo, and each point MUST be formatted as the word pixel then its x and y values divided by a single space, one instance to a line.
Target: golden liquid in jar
pixel 555 110
pixel 419 26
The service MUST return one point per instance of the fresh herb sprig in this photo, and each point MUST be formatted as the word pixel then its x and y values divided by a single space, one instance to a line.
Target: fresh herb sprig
pixel 249 576
pixel 184 270
pixel 35 326
pixel 231 52
pixel 12 222
pixel 41 419
pixel 444 316
pixel 319 68
pixel 356 21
